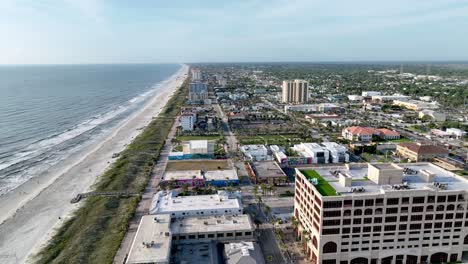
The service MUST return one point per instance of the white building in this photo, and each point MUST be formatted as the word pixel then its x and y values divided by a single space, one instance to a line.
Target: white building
pixel 355 98
pixel 319 154
pixel 198 92
pixel 196 74
pixel 152 243
pixel 255 152
pixel 337 152
pixel 456 132
pixel 223 203
pixel 370 93
pixel 187 121
pixel 434 115
pixel 198 147
pixel 301 108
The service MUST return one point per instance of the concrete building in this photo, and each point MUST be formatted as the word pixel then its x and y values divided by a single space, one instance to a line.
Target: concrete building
pixel 319 154
pixel 223 203
pixel 255 152
pixel 196 74
pixel 222 228
pixel 337 152
pixel 420 151
pixel 243 253
pixel 157 233
pixel 382 214
pixel 389 98
pixel 322 118
pixel 198 147
pixel 434 115
pixel 179 178
pixel 306 108
pixel 355 98
pixel 266 172
pixel 221 178
pixel 198 92
pixel 296 91
pixel 152 243
pixel 187 121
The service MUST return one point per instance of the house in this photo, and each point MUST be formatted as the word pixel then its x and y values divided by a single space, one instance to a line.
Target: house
pixel 458 133
pixel 420 151
pixel 266 172
pixel 357 133
pixel 365 134
pixel 221 178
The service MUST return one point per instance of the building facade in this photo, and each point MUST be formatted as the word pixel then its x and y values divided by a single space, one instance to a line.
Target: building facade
pixel 383 220
pixel 296 91
pixel 420 151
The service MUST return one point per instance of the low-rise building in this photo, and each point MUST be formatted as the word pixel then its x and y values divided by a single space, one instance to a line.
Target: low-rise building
pixel 420 151
pixel 416 105
pixel 152 243
pixel 267 172
pixel 365 134
pixel 222 203
pixel 198 147
pixel 321 118
pixel 221 178
pixel 179 178
pixel 255 152
pixel 244 252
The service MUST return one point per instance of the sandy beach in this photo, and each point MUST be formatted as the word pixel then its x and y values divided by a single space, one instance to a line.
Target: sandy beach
pixel 30 213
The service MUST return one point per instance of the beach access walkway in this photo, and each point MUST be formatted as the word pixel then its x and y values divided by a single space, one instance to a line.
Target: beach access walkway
pixel 147 196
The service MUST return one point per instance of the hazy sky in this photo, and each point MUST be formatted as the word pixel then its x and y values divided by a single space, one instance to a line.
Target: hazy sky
pixel 139 31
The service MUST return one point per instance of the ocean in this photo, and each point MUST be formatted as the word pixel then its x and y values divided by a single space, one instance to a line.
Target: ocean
pixel 47 113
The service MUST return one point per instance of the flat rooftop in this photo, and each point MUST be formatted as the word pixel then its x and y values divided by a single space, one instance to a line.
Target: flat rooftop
pixel 267 169
pixel 152 243
pixel 196 253
pixel 169 202
pixel 211 224
pixel 182 175
pixel 218 175
pixel 412 177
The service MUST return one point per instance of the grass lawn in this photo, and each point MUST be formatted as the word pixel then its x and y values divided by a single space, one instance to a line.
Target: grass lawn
pixel 186 138
pixel 400 140
pixel 271 139
pixel 197 165
pixel 323 186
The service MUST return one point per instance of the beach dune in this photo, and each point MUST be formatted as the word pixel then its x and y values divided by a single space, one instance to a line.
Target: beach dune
pixel 30 213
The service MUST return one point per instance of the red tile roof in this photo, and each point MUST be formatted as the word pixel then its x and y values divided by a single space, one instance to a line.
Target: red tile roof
pixel 424 148
pixel 357 130
pixel 388 132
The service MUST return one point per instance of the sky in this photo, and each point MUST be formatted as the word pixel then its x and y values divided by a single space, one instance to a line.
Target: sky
pixel 160 31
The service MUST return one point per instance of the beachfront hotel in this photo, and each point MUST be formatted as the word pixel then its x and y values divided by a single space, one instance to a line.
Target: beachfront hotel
pixel 382 213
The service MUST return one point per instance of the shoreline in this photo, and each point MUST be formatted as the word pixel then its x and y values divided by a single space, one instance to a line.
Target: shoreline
pixel 32 210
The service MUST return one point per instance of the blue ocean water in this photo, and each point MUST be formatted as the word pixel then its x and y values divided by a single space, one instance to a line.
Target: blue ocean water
pixel 48 112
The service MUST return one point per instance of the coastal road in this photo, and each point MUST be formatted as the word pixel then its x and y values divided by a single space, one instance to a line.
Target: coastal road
pixel 145 203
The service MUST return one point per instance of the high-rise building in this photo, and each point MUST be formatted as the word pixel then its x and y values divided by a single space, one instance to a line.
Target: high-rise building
pixel 296 91
pixel 196 74
pixel 382 213
pixel 198 92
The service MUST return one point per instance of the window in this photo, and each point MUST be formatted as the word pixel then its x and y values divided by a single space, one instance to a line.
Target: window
pixel 331 222
pixel 329 247
pixel 331 231
pixel 367 220
pixel 329 261
pixel 405 200
pixel 450 207
pixel 417 209
pixel 428 226
pixel 356 230
pixel 449 216
pixel 331 213
pixel 416 218
pixel 201 236
pixel 332 204
pixel 415 226
pixel 211 235
pixel 346 221
pixel 369 202
pixel 220 235
pixel 452 198
pixel 441 199
pixel 378 220
pixel 429 208
pixel 390 228
pixel 346 230
pixel 368 212
pixel 392 210
pixel 379 201
pixel 418 200
pixel 439 216
pixel 357 221
pixel 403 218
pixel 238 233
pixel 248 233
pixel 377 228
pixel 358 203
pixel 393 201
pixel 402 227
pixel 390 219
pixel 358 212
pixel 429 217
pixel 366 229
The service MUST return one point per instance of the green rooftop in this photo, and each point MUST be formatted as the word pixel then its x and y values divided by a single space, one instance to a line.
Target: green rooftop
pixel 323 186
